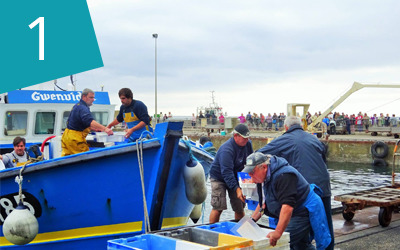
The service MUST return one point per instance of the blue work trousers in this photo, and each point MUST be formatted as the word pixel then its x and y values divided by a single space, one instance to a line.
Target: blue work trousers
pixel 299 229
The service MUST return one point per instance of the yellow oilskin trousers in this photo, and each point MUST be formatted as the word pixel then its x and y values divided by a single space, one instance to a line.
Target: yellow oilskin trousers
pixel 74 142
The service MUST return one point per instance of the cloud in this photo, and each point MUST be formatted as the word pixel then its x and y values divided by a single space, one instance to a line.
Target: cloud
pixel 256 55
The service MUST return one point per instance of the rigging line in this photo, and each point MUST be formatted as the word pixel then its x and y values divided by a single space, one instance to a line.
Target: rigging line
pixel 383 104
pixel 59 87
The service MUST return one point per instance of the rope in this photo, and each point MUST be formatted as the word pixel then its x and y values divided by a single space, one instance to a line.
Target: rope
pixel 18 178
pixel 139 149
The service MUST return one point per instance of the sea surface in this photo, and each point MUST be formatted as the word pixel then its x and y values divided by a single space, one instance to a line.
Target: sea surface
pixel 345 178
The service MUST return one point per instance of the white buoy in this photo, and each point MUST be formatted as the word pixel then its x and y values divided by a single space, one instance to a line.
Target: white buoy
pixel 195 182
pixel 20 227
pixel 196 213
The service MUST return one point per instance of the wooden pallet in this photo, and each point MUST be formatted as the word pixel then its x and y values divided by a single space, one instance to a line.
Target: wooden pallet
pixel 382 196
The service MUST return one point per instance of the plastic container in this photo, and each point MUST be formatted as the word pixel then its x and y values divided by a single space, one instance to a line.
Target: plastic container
pixel 152 242
pixel 101 136
pixel 257 234
pixel 249 190
pixel 223 133
pixel 213 240
pixel 116 137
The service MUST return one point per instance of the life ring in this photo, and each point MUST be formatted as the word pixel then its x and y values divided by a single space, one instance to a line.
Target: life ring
pixel 378 162
pixel 383 153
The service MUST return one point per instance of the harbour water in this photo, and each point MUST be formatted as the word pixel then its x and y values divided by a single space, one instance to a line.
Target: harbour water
pixel 345 178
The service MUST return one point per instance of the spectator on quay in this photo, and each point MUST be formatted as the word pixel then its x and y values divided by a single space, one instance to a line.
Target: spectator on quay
pixel 308 118
pixel 281 120
pixel 353 123
pixel 326 121
pixel 214 118
pixel 230 160
pixel 241 118
pixel 201 115
pixel 373 120
pixel 268 120
pixel 249 119
pixel 275 121
pixel 262 120
pixel 347 122
pixel 381 120
pixel 387 120
pixel 393 121
pixel 169 115
pixel 165 117
pixel 221 119
pixel 359 121
pixel 332 127
pixel 291 199
pixel 193 120
pixel 256 120
pixel 366 122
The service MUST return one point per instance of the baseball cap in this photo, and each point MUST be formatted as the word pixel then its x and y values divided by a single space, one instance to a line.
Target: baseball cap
pixel 242 130
pixel 253 160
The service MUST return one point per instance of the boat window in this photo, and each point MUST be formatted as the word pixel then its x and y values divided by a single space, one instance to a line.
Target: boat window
pixel 65 119
pixel 101 117
pixel 44 123
pixel 15 123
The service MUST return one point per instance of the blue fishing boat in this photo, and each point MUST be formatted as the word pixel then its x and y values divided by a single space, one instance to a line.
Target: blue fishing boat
pixel 83 200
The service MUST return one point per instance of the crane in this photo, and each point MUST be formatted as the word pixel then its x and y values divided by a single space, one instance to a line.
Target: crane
pixel 315 126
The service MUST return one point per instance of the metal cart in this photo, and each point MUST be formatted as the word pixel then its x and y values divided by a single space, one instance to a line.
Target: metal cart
pixel 386 197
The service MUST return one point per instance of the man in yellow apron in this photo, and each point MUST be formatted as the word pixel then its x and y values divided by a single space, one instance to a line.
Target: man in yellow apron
pixel 134 113
pixel 18 157
pixel 79 124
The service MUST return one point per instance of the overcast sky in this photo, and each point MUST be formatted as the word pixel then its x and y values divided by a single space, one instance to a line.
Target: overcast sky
pixel 256 55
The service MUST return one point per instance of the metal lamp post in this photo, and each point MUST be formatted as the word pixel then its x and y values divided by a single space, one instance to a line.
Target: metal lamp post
pixel 155 75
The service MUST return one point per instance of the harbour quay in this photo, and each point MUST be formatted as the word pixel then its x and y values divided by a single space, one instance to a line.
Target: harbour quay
pixel 354 148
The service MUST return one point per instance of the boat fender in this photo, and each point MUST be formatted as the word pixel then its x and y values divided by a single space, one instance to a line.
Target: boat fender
pixel 378 162
pixel 20 227
pixel 195 182
pixel 196 213
pixel 383 153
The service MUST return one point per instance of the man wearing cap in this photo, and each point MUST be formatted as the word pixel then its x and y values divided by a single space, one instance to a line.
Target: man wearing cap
pixel 306 154
pixel 230 160
pixel 290 198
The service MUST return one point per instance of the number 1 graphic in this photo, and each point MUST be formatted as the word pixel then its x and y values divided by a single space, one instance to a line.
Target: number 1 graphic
pixel 40 21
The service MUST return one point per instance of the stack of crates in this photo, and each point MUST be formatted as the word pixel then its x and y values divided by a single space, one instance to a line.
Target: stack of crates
pixel 258 243
pixel 182 239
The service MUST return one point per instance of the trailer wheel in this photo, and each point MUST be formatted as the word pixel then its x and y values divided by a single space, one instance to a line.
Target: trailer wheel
pixel 396 136
pixel 374 133
pixel 385 216
pixel 348 216
pixel 319 135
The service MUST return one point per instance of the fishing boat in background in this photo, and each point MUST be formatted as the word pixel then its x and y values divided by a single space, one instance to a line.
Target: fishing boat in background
pixel 117 190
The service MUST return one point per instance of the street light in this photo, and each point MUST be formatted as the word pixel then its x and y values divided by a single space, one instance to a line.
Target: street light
pixel 155 74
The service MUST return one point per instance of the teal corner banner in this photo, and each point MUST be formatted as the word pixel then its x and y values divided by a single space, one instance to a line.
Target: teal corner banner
pixel 42 40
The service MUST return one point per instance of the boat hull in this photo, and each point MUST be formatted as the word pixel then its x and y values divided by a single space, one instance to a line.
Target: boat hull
pixel 85 199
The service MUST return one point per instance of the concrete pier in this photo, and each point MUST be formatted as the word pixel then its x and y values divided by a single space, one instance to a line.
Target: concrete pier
pixel 354 148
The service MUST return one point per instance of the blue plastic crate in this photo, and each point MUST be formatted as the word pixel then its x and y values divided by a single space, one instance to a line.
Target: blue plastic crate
pixel 251 205
pixel 151 242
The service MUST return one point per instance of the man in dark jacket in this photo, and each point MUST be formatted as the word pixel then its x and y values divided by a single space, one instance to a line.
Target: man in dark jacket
pixel 305 153
pixel 289 198
pixel 230 160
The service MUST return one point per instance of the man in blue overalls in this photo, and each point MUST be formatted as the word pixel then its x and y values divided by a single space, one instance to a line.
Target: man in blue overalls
pixel 134 113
